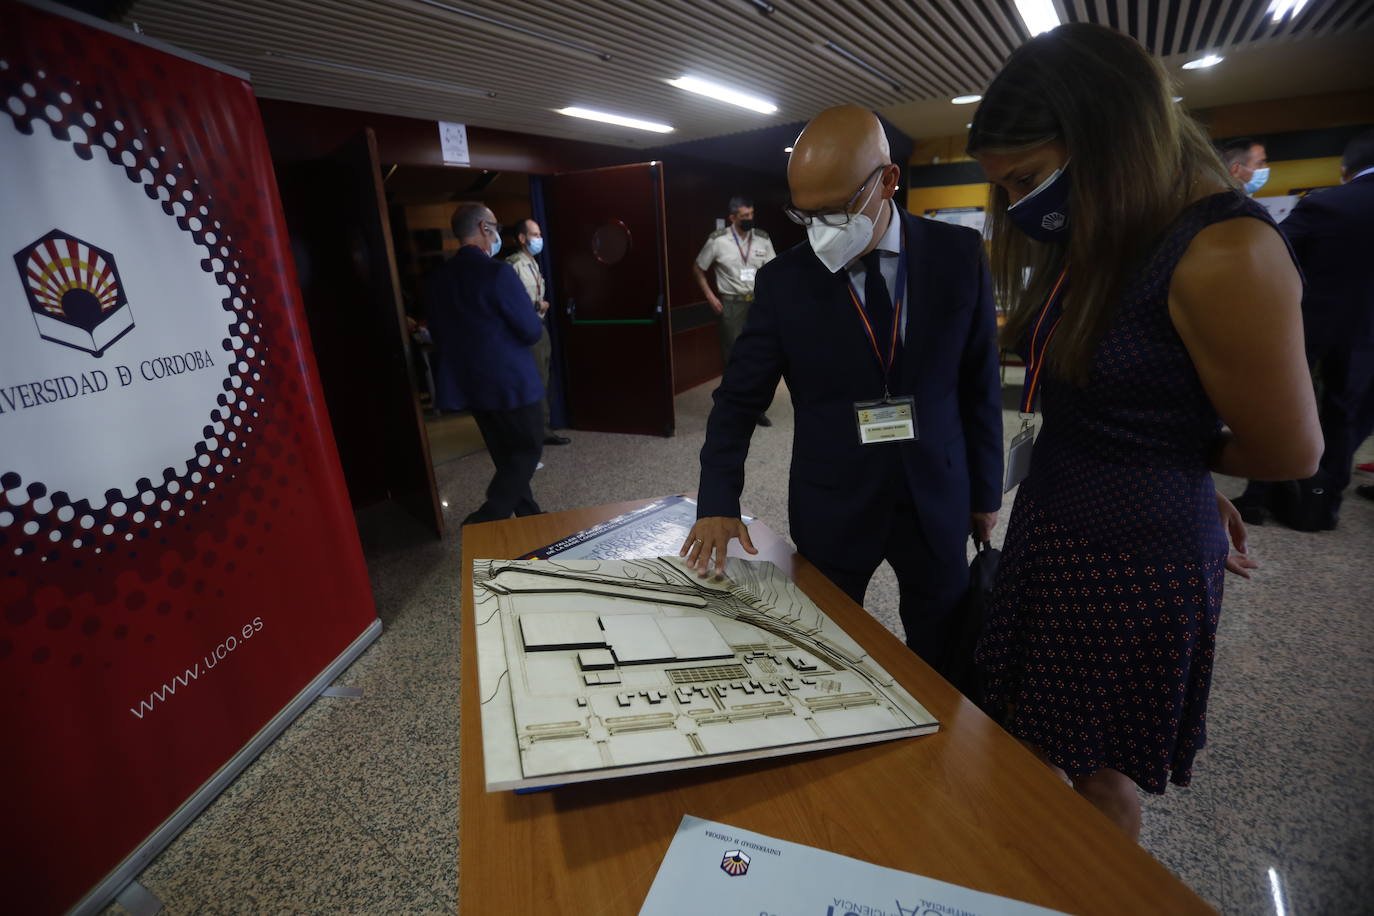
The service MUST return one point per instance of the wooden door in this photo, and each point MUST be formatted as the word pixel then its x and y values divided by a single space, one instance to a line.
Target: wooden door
pixel 607 240
pixel 336 214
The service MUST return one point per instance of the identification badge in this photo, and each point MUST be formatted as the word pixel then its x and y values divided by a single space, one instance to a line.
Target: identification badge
pixel 886 420
pixel 1019 457
pixel 746 274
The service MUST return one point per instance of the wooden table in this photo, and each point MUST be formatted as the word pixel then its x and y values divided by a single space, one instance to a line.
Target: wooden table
pixel 967 805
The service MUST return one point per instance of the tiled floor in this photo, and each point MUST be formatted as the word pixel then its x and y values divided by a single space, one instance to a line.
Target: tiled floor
pixel 452 436
pixel 355 808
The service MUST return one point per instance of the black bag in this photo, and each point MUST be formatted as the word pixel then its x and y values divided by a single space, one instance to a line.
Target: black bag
pixel 970 620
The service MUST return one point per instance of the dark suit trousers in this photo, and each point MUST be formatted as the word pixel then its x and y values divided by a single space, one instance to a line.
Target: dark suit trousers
pixel 515 440
pixel 1347 409
pixel 930 588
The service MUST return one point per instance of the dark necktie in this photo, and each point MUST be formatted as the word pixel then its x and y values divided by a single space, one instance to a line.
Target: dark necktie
pixel 877 302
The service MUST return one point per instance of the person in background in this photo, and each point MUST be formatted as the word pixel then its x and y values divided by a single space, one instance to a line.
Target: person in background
pixel 1332 234
pixel 737 252
pixel 1247 162
pixel 483 328
pixel 1153 303
pixel 883 325
pixel 530 239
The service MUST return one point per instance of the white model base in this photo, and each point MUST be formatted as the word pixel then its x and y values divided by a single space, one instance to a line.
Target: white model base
pixel 591 669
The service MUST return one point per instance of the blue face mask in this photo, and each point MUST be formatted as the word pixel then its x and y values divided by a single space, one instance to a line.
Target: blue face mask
pixel 495 243
pixel 1257 180
pixel 1043 214
pixel 535 245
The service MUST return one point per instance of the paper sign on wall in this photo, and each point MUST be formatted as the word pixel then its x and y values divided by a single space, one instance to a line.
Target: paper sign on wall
pixel 453 141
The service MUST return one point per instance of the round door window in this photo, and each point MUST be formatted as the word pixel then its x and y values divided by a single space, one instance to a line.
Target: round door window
pixel 611 242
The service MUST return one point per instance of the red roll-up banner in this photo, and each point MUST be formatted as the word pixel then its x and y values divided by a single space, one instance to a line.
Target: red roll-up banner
pixel 178 559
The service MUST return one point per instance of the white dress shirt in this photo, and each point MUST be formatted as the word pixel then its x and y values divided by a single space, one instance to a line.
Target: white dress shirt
pixel 889 249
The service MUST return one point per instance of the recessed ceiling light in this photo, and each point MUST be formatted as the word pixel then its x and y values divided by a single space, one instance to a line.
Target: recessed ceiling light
pixel 1202 63
pixel 1038 15
pixel 724 94
pixel 968 125
pixel 1280 8
pixel 787 149
pixel 593 115
pixel 966 99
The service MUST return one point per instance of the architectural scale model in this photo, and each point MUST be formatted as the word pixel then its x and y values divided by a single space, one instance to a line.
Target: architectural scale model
pixel 590 669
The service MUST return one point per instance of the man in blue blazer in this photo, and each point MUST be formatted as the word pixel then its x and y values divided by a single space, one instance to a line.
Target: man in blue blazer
pixel 1332 233
pixel 883 326
pixel 483 328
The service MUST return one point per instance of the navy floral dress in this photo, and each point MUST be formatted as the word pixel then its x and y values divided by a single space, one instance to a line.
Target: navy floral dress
pixel 1102 632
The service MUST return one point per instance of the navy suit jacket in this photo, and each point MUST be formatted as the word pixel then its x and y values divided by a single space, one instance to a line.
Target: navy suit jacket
pixel 1332 233
pixel 483 328
pixel 803 327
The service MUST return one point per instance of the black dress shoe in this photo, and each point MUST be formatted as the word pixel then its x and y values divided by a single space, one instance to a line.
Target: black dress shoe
pixel 764 421
pixel 1367 491
pixel 553 439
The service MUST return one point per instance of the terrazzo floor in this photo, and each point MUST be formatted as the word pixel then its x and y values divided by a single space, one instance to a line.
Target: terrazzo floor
pixel 355 808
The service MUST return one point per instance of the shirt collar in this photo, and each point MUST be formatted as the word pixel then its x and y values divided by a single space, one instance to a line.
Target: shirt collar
pixel 1368 171
pixel 891 242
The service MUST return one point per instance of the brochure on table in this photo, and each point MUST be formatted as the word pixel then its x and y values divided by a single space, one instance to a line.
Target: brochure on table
pixel 657 529
pixel 714 868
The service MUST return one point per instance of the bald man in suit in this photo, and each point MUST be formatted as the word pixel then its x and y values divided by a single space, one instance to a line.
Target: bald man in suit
pixel 883 326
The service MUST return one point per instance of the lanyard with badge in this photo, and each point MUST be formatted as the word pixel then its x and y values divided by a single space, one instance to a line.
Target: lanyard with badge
pixel 746 273
pixel 1019 453
pixel 888 419
pixel 537 276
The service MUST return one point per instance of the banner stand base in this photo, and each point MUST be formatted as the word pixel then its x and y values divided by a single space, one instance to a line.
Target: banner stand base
pixel 115 883
pixel 138 900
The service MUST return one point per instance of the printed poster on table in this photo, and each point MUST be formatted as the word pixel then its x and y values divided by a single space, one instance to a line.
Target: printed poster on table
pixel 715 868
pixel 178 558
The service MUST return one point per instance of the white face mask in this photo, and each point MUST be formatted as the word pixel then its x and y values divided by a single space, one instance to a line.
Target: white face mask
pixel 836 246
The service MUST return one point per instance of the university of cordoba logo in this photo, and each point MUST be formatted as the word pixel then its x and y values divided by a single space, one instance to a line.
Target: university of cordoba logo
pixel 74 292
pixel 735 863
pixel 1052 221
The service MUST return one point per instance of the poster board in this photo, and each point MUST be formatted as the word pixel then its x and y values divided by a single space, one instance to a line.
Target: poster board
pixel 179 568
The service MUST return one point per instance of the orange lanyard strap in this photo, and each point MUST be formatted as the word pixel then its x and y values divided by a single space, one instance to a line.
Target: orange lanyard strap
pixel 1035 359
pixel 885 364
pixel 743 252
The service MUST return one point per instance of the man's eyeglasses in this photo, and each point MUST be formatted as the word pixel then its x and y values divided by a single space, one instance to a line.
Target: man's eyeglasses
pixel 831 216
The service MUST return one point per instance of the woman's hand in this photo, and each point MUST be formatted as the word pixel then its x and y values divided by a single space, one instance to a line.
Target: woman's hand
pixel 1238 560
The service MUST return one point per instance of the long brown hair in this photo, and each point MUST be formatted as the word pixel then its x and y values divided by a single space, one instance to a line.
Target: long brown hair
pixel 1136 156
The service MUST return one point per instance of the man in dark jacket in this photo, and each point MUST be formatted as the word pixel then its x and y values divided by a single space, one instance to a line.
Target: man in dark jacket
pixel 883 326
pixel 1332 234
pixel 483 328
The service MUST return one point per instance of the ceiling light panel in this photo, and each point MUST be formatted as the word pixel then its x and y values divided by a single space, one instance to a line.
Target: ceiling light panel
pixel 724 94
pixel 1037 15
pixel 592 114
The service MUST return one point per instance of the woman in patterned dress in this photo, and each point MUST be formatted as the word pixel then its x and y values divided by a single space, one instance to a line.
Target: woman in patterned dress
pixel 1173 348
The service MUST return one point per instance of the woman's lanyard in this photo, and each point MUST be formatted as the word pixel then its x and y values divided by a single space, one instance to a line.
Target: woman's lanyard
pixel 1045 325
pixel 743 252
pixel 885 364
pixel 1019 453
